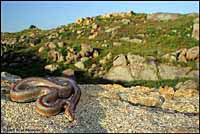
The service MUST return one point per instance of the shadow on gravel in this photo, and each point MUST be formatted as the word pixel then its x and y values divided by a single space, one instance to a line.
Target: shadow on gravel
pixel 89 113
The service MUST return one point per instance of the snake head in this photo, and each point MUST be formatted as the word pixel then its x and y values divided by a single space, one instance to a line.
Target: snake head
pixel 68 112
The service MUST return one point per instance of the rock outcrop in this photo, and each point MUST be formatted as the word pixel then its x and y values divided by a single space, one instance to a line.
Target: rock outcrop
pixel 51 67
pixel 183 55
pixel 190 84
pixel 121 73
pixel 135 67
pixel 162 16
pixel 195 32
pixel 120 60
pixel 172 72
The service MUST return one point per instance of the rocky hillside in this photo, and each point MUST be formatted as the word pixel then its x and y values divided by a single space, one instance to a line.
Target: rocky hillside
pixel 137 73
pixel 128 48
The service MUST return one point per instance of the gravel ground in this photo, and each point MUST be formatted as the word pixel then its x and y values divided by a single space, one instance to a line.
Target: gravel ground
pixel 99 110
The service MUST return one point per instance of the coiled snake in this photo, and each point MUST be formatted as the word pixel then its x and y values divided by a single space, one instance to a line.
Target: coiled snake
pixel 51 94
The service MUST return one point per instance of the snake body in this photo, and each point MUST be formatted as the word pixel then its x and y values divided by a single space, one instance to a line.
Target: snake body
pixel 51 94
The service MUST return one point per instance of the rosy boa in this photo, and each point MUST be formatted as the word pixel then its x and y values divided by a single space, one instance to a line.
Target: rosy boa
pixel 51 94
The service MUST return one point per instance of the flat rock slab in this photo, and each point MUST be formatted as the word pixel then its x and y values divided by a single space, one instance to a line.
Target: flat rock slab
pixel 99 110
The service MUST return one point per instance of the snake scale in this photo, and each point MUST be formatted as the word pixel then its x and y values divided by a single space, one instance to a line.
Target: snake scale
pixel 51 94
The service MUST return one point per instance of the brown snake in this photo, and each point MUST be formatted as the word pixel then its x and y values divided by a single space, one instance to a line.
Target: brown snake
pixel 51 94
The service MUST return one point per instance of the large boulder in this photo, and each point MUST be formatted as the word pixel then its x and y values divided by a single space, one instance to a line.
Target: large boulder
pixel 61 44
pixel 88 20
pixel 149 72
pixel 193 74
pixel 68 72
pixel 195 32
pixel 186 93
pixel 52 54
pixel 95 54
pixel 79 21
pixel 120 60
pixel 162 16
pixel 189 84
pixel 60 58
pixel 193 53
pixel 141 95
pixel 50 45
pixel 182 55
pixel 51 67
pixel 41 49
pixel 133 59
pixel 121 73
pixel 169 57
pixel 80 65
pixel 137 69
pixel 190 105
pixel 95 26
pixel 143 71
pixel 85 49
pixel 70 57
pixel 172 72
pixel 55 56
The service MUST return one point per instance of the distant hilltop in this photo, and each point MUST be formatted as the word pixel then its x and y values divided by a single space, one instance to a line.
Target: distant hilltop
pixel 151 16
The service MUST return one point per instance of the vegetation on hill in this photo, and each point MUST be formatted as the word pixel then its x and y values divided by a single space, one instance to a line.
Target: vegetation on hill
pixel 116 34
